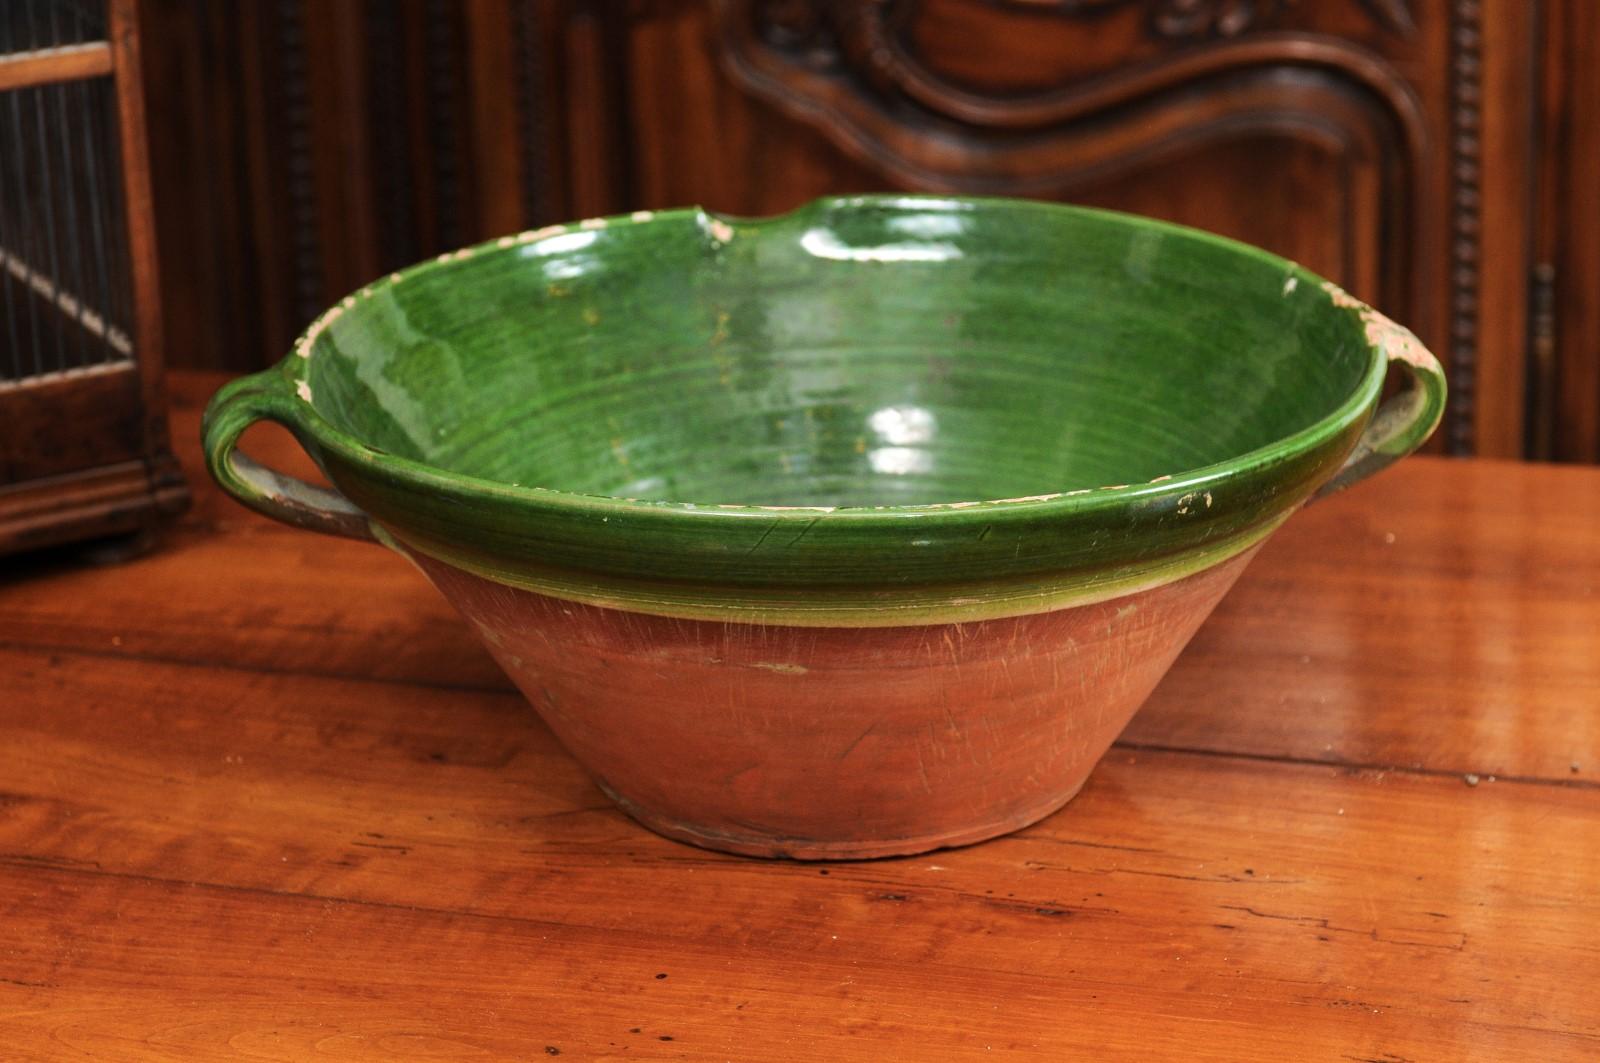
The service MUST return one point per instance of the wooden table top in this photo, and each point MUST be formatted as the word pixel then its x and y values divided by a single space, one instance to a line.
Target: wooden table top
pixel 262 796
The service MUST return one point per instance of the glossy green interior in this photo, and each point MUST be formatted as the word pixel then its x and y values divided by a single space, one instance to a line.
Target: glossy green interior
pixel 880 352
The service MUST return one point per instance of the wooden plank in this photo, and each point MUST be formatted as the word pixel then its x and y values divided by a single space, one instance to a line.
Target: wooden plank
pixel 392 862
pixel 90 504
pixel 1504 234
pixel 73 62
pixel 496 153
pixel 341 148
pixel 101 402
pixel 175 971
pixel 1443 615
pixel 208 309
pixel 598 133
pixel 1570 213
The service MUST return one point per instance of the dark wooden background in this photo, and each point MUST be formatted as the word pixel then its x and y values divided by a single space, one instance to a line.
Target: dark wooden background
pixel 1428 154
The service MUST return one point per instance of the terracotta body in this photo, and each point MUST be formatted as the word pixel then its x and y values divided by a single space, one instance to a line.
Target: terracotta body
pixel 816 742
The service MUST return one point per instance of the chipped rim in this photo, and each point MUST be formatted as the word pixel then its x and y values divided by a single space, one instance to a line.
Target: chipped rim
pixel 1383 340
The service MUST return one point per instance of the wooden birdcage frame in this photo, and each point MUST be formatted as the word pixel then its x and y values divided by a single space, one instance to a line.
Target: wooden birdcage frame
pixel 84 451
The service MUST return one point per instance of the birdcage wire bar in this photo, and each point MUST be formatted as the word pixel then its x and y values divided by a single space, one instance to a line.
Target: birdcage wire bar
pixel 65 288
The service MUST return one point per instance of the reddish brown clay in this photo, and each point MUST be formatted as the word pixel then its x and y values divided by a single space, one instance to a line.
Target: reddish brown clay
pixel 828 743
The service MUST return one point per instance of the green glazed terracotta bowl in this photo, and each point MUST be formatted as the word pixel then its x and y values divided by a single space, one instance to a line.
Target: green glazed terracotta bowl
pixel 856 531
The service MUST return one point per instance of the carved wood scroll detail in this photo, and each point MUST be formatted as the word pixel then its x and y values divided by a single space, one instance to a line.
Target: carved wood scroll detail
pixel 804 27
pixel 847 67
pixel 866 39
pixel 787 47
pixel 1185 19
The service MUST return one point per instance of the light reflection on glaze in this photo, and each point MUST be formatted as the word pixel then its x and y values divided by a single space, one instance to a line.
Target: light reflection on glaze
pixel 900 461
pixel 560 244
pixel 925 226
pixel 418 424
pixel 824 243
pixel 903 425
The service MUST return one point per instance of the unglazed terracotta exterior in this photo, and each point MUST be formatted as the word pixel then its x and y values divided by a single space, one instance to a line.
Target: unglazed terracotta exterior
pixel 856 531
pixel 836 742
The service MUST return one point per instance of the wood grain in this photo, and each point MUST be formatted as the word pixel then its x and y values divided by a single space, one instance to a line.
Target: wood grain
pixel 497 168
pixel 1570 215
pixel 1498 125
pixel 101 403
pixel 260 795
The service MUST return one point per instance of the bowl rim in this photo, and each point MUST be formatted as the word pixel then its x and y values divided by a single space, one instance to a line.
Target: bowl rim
pixel 720 228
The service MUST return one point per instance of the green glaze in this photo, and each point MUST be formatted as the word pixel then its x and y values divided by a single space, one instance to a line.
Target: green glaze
pixel 871 410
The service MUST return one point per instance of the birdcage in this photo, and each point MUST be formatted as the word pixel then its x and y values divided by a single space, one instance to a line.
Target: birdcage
pixel 83 446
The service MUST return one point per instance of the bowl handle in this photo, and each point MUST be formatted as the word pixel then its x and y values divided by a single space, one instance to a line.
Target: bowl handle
pixel 1404 421
pixel 267 396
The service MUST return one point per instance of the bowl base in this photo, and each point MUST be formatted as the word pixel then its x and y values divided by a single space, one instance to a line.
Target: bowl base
pixel 783 848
